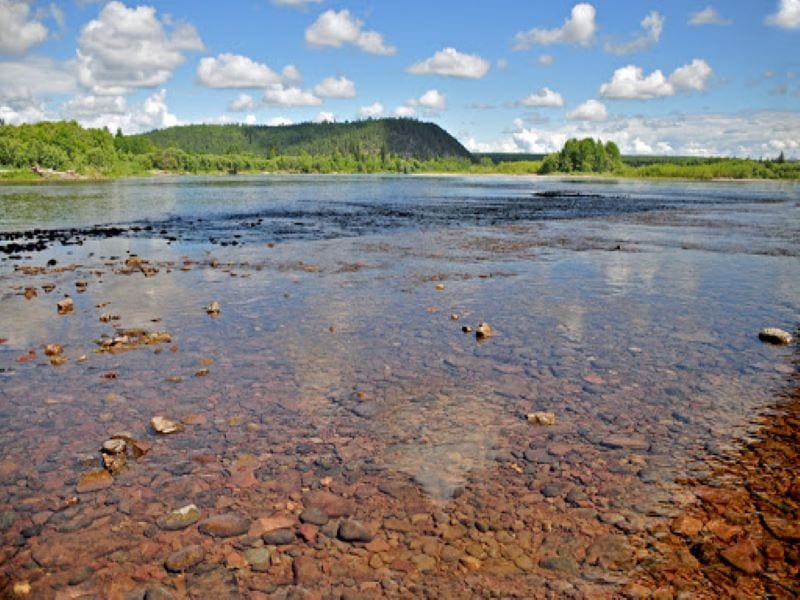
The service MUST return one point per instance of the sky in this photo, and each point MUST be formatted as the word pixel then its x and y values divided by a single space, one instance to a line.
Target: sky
pixel 674 77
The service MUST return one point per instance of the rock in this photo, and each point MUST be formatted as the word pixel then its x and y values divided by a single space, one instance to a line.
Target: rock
pixel 308 532
pixel 687 526
pixel 180 518
pixel 267 524
pixel 258 559
pixel 560 564
pixel 466 329
pixel 7 519
pixel 484 331
pixel 21 588
pixel 223 526
pixel 65 306
pixel 332 505
pixel 213 309
pixel 470 562
pixel 423 562
pixel 114 446
pixel 164 425
pixel 115 463
pixel 450 554
pixel 158 592
pixel 305 570
pixel 53 349
pixel 139 448
pixel 454 317
pixel 314 515
pixel 57 361
pixel 94 481
pixel 279 537
pixel 773 335
pixel 80 575
pixel 439 287
pixel 30 293
pixel 744 556
pixel 353 531
pixel 618 441
pixel 542 418
pixel 185 558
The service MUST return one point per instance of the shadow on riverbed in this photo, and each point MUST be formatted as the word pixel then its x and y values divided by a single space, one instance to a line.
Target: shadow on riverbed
pixel 741 537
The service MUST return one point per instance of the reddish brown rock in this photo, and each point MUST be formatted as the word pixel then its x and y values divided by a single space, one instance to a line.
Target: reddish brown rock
pixel 305 570
pixel 94 480
pixel 185 558
pixel 222 526
pixel 744 556
pixel 332 505
pixel 687 526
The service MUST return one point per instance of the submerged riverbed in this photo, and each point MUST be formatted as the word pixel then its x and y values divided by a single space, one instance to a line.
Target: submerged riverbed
pixel 353 437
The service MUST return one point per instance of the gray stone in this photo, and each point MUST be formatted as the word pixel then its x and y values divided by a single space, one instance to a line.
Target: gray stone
pixel 279 537
pixel 180 518
pixel 354 531
pixel 560 564
pixel 185 558
pixel 773 335
pixel 314 515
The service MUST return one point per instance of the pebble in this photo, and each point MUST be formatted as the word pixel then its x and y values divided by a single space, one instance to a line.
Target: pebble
pixel 484 331
pixel 354 531
pixel 542 418
pixel 65 306
pixel 114 446
pixel 185 558
pixel 258 559
pixel 53 349
pixel 180 518
pixel 279 537
pixel 164 425
pixel 227 525
pixel 560 564
pixel 314 515
pixel 93 481
pixel 744 556
pixel 773 335
pixel 213 309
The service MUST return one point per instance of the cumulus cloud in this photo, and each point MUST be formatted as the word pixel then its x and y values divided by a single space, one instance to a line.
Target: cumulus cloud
pixel 26 80
pixel 128 48
pixel 757 134
pixel 449 62
pixel 373 111
pixel 334 29
pixel 113 112
pixel 546 60
pixel 235 71
pixel 708 16
pixel 578 29
pixel 242 103
pixel 279 121
pixel 629 83
pixel 434 100
pixel 788 15
pixel 545 97
pixel 332 87
pixel 19 32
pixel 325 117
pixel 591 110
pixel 281 95
pixel 405 111
pixel 653 25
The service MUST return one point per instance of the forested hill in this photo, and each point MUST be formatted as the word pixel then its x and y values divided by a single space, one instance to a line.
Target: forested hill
pixel 395 137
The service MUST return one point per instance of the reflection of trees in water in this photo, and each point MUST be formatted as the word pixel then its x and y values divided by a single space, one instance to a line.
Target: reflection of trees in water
pixel 748 515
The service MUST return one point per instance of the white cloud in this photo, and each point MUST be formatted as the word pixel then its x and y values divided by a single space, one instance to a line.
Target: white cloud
pixel 25 80
pixel 279 121
pixel 433 99
pixel 373 111
pixel 296 3
pixel 242 103
pixel 250 120
pixel 290 73
pixel 579 29
pixel 128 48
pixel 30 113
pixel 405 111
pixel 113 112
pixel 331 87
pixel 449 62
pixel 18 33
pixel 325 117
pixel 281 95
pixel 708 16
pixel 788 15
pixel 591 110
pixel 629 83
pixel 756 134
pixel 692 77
pixel 235 71
pixel 546 60
pixel 335 29
pixel 543 98
pixel 653 25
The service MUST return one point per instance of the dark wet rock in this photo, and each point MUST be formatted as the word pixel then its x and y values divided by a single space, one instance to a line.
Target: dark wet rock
pixel 773 335
pixel 279 537
pixel 353 531
pixel 185 558
pixel 314 515
pixel 78 576
pixel 180 518
pixel 560 564
pixel 223 526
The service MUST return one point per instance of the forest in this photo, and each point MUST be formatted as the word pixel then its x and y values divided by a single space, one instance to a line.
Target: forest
pixel 65 150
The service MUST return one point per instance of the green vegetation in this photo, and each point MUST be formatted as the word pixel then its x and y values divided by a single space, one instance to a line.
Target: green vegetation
pixel 65 150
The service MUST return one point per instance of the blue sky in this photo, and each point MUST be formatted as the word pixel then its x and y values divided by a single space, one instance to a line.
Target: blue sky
pixel 663 77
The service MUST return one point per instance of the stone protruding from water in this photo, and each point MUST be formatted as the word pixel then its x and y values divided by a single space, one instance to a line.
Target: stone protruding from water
pixel 773 335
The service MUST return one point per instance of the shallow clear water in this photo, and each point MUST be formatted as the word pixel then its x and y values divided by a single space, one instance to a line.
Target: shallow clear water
pixel 629 309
